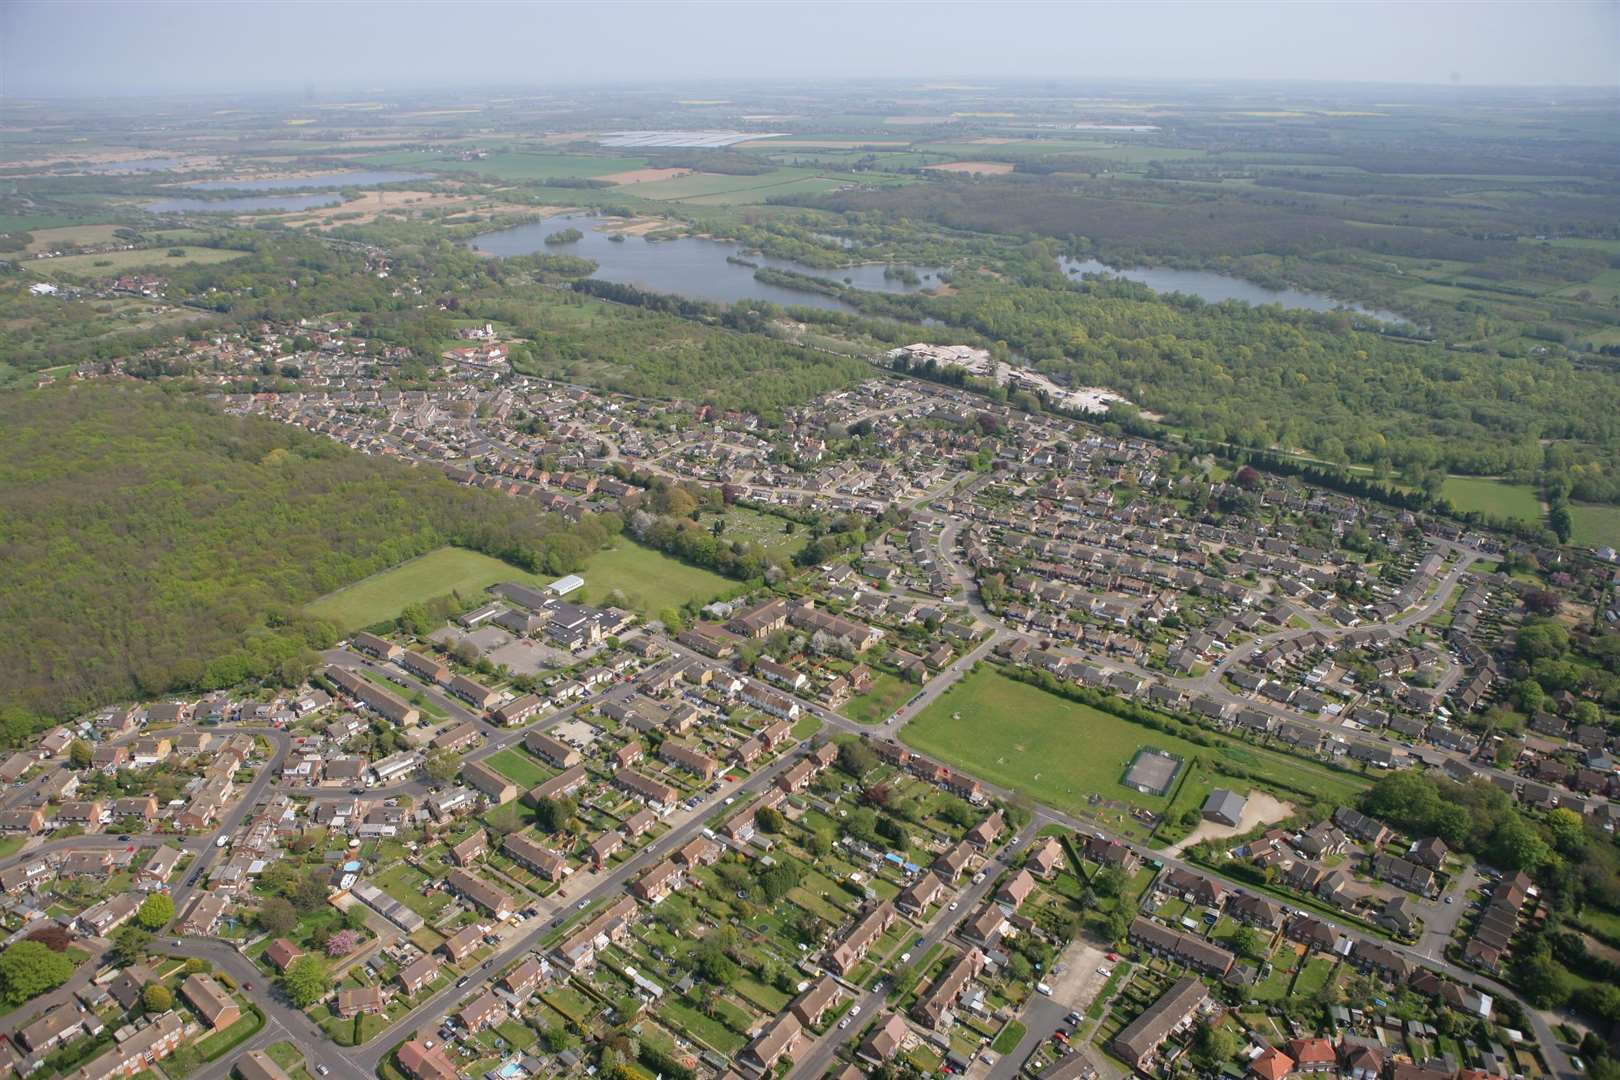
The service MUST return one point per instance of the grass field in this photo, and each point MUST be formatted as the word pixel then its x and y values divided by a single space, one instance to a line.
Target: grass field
pixel 750 525
pixel 650 580
pixel 1059 752
pixel 46 239
pixel 518 767
pixel 1492 497
pixel 511 166
pixel 888 693
pixel 438 573
pixel 1595 526
pixel 119 262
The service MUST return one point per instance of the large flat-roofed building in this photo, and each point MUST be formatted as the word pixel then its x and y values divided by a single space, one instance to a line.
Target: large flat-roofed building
pixel 1152 771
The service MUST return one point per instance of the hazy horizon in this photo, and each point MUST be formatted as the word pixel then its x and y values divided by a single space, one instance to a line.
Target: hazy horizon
pixel 145 47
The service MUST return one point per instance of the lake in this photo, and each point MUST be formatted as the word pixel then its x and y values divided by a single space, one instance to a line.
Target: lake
pixel 1215 288
pixel 245 204
pixel 690 266
pixel 358 178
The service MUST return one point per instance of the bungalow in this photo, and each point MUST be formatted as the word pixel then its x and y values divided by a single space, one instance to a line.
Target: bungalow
pixel 282 953
pixel 211 1000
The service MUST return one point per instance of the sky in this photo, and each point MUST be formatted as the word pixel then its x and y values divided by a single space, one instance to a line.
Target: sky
pixel 136 47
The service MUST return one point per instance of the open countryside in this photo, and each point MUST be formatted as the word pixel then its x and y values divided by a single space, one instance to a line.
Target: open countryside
pixel 810 542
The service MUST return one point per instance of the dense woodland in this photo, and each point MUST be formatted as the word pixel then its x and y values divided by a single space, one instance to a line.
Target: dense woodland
pixel 149 544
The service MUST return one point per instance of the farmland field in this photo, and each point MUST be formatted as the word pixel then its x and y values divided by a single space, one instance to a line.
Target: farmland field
pixel 714 189
pixel 118 262
pixel 1059 752
pixel 1492 497
pixel 650 580
pixel 438 573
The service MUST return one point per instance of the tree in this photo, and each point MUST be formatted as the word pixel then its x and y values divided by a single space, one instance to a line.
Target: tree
pixel 1246 942
pixel 355 918
pixel 1515 845
pixel 79 754
pixel 710 962
pixel 155 911
pixel 554 815
pixel 856 758
pixel 1108 882
pixel 442 766
pixel 1215 1045
pixel 342 943
pixel 129 944
pixel 306 980
pixel 157 998
pixel 29 969
pixel 770 819
pixel 311 892
pixel 1601 1001
pixel 277 916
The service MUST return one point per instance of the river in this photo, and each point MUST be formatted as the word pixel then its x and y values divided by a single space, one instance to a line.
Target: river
pixel 690 266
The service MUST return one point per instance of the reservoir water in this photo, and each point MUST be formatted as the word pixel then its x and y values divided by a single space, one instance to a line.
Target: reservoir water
pixel 358 178
pixel 244 205
pixel 691 266
pixel 1215 288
